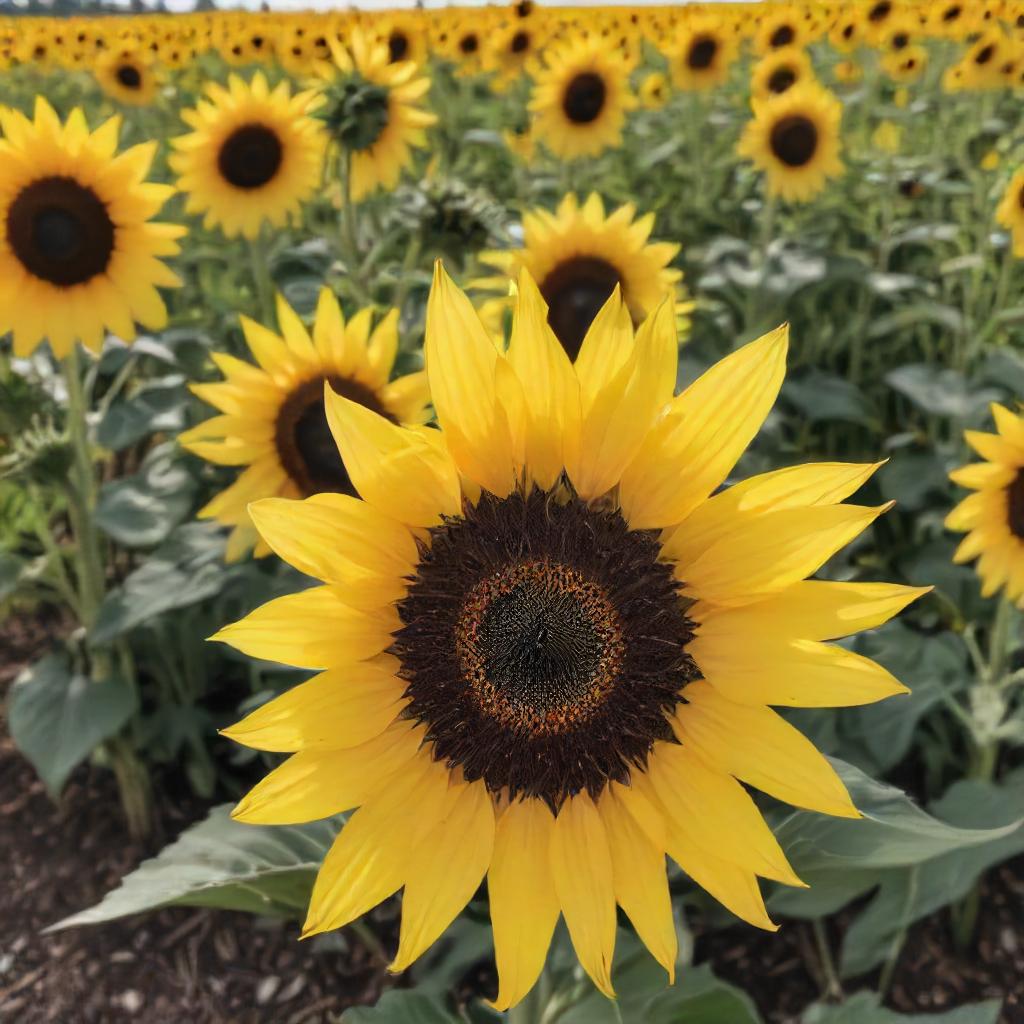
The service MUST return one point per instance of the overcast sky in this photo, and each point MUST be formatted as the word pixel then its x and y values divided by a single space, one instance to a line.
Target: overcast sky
pixel 369 5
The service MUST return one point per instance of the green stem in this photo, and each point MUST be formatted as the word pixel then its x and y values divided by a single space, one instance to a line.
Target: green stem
pixel 833 987
pixel 755 297
pixel 262 280
pixel 133 787
pixel 532 1009
pixel 82 497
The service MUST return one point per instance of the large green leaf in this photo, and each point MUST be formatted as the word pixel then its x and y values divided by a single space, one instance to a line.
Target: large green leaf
pixel 141 510
pixel 157 406
pixel 397 1007
pixel 57 717
pixel 866 1008
pixel 222 863
pixel 909 894
pixel 11 569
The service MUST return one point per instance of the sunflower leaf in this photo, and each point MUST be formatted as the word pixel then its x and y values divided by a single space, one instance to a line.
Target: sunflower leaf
pixel 222 863
pixel 866 1008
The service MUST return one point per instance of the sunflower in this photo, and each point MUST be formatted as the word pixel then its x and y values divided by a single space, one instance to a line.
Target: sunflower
pixel 404 37
pixel 783 27
pixel 78 252
pixel 558 664
pixel 905 65
pixel 373 111
pixel 779 71
pixel 1010 212
pixel 126 75
pixel 273 420
pixel 253 156
pixel 794 139
pixel 580 98
pixel 578 256
pixel 509 51
pixel 993 516
pixel 847 32
pixel 702 56
pixel 654 91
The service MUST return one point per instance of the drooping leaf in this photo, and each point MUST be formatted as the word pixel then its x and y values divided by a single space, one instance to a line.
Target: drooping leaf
pixel 57 717
pixel 222 863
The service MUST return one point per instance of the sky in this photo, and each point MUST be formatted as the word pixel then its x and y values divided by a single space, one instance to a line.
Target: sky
pixel 372 5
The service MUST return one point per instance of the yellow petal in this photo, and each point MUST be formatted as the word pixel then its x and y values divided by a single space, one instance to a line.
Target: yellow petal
pixel 311 629
pixel 581 865
pixel 448 866
pixel 641 884
pixel 524 904
pixel 759 747
pixel 342 707
pixel 692 450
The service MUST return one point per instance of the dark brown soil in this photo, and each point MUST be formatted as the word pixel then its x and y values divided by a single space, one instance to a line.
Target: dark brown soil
pixel 213 967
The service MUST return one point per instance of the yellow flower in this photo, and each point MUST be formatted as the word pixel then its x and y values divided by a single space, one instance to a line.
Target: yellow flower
pixel 993 516
pixel 550 595
pixel 126 75
pixel 79 254
pixel 253 155
pixel 654 90
pixel 794 139
pixel 990 161
pixel 887 137
pixel 580 98
pixel 272 415
pixel 1010 212
pixel 778 71
pixel 701 57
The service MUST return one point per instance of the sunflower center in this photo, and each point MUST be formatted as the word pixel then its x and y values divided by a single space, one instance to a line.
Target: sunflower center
pixel 794 140
pixel 880 11
pixel 702 53
pixel 303 438
pixel 129 76
pixel 584 98
pixel 900 41
pixel 543 645
pixel 575 291
pixel 358 113
pixel 782 36
pixel 781 79
pixel 469 44
pixel 398 46
pixel 984 55
pixel 60 231
pixel 951 13
pixel 250 157
pixel 1015 505
pixel 520 42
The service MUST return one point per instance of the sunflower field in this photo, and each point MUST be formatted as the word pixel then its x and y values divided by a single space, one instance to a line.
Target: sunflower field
pixel 527 500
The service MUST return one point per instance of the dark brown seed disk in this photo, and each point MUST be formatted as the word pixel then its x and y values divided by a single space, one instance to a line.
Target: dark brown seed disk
pixel 794 140
pixel 128 75
pixel 782 36
pixel 701 54
pixel 304 441
pixel 584 98
pixel 250 156
pixel 543 645
pixel 398 46
pixel 1015 505
pixel 575 291
pixel 60 231
pixel 781 79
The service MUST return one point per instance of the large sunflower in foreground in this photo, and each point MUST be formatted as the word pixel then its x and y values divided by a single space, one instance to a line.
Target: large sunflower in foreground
pixel 578 256
pixel 559 661
pixel 993 517
pixel 581 97
pixel 794 139
pixel 78 253
pixel 372 108
pixel 253 156
pixel 273 419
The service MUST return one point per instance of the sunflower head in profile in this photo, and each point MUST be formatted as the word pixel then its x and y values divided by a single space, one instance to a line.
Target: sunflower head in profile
pixel 993 516
pixel 372 110
pixel 581 97
pixel 702 54
pixel 272 418
pixel 1010 212
pixel 549 649
pixel 778 71
pixel 794 139
pixel 578 256
pixel 79 255
pixel 254 155
pixel 126 75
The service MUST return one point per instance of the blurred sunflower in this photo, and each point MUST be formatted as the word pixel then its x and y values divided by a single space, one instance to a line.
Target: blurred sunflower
pixel 653 91
pixel 126 75
pixel 372 111
pixel 1010 212
pixel 782 27
pixel 993 516
pixel 79 254
pixel 404 37
pixel 559 663
pixel 509 50
pixel 580 98
pixel 794 139
pixel 905 65
pixel 779 71
pixel 847 32
pixel 578 256
pixel 702 55
pixel 253 156
pixel 273 420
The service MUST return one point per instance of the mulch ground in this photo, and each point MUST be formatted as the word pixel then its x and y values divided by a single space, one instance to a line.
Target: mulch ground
pixel 188 966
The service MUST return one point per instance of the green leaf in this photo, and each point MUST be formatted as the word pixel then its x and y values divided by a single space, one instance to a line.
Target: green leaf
pixel 222 863
pixel 11 568
pixel 940 392
pixel 58 717
pixel 698 997
pixel 187 567
pixel 866 1008
pixel 909 894
pixel 397 1007
pixel 140 511
pixel 822 397
pixel 911 477
pixel 157 406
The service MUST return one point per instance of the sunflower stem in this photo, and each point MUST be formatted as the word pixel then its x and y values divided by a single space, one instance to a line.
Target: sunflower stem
pixel 533 1008
pixel 262 280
